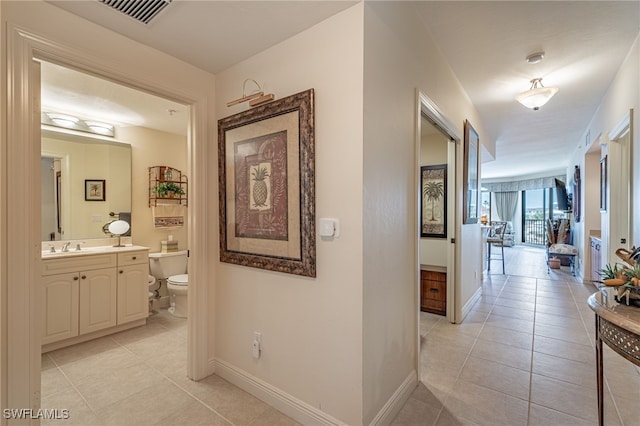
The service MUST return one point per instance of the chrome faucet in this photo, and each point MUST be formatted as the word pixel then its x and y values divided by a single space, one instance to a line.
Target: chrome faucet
pixel 65 247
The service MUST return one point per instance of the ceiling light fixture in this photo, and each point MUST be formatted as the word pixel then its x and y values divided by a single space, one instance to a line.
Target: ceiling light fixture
pixel 537 95
pixel 255 98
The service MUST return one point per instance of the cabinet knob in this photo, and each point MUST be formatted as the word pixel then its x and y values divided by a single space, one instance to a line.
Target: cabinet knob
pixel 75 278
pixel 84 277
pixel 121 271
pixel 134 257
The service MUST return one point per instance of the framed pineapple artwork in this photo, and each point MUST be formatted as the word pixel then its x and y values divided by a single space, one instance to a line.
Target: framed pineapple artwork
pixel 266 169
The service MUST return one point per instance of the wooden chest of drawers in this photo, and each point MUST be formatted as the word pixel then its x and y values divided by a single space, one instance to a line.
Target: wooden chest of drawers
pixel 433 292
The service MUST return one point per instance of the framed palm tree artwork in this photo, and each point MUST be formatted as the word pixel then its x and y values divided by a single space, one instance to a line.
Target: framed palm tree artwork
pixel 433 206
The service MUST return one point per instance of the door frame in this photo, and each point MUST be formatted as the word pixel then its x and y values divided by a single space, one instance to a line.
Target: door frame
pixel 425 107
pixel 617 223
pixel 20 223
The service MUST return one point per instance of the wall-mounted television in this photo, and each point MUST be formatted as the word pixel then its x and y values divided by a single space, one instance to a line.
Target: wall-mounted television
pixel 562 198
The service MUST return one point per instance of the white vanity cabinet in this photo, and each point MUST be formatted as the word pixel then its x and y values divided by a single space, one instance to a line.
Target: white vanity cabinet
pixel 97 300
pixel 61 296
pixel 88 295
pixel 133 288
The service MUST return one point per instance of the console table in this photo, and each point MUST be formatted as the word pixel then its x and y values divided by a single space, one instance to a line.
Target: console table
pixel 617 325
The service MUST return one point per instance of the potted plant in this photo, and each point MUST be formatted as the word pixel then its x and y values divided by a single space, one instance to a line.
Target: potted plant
pixel 630 290
pixel 612 275
pixel 168 189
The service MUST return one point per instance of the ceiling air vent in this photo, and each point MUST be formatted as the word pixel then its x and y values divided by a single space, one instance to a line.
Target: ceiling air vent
pixel 140 10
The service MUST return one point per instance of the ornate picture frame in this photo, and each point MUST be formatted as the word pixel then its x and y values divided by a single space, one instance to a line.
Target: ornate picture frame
pixel 266 175
pixel 470 177
pixel 433 206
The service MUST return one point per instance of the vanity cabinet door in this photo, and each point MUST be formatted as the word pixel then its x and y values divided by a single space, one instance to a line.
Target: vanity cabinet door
pixel 60 307
pixel 133 292
pixel 97 300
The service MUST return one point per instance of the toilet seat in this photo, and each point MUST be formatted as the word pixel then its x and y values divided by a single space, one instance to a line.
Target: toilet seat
pixel 179 280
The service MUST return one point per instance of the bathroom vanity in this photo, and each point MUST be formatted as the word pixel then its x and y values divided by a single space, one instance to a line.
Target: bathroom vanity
pixel 93 292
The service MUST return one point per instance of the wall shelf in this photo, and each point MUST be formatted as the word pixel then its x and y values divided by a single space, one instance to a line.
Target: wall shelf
pixel 163 177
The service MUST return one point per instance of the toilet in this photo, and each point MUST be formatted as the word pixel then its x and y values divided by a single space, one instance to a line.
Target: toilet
pixel 172 268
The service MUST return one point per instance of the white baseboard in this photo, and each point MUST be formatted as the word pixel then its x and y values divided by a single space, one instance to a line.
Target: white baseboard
pixel 393 406
pixel 469 305
pixel 288 404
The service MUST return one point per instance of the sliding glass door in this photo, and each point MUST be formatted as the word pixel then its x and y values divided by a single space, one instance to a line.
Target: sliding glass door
pixel 538 205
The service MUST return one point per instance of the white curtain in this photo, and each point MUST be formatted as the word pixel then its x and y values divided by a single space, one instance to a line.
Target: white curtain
pixel 506 203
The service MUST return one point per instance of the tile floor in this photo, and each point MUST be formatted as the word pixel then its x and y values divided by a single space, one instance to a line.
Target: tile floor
pixel 138 377
pixel 523 356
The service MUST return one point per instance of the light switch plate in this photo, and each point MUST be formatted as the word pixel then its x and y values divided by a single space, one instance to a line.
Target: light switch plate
pixel 329 228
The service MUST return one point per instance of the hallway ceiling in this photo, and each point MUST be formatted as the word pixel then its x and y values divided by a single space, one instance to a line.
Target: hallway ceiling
pixel 485 43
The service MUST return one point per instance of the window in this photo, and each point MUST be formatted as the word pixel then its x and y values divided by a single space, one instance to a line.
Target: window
pixel 538 205
pixel 485 205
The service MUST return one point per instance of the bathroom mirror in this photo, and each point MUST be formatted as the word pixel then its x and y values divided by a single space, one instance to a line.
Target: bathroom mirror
pixel 67 161
pixel 119 228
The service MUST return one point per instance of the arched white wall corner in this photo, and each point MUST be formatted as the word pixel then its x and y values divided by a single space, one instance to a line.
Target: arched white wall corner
pixel 20 266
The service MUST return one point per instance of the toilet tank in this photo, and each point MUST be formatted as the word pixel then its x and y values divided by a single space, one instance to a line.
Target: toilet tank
pixel 165 265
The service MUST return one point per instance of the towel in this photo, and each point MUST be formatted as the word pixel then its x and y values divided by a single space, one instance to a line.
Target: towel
pixel 126 216
pixel 168 216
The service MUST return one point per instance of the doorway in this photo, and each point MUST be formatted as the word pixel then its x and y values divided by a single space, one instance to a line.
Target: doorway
pixel 142 126
pixel 436 152
pixel 22 369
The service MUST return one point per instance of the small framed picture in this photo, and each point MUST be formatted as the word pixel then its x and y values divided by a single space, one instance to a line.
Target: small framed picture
pixel 94 190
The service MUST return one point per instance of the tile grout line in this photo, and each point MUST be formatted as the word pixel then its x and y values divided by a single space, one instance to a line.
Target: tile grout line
pixel 86 402
pixel 468 355
pixel 533 342
pixel 593 347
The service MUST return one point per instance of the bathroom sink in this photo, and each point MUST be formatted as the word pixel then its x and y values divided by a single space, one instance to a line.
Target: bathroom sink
pixel 90 250
pixel 82 251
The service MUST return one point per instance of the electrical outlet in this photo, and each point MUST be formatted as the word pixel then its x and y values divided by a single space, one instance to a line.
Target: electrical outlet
pixel 256 345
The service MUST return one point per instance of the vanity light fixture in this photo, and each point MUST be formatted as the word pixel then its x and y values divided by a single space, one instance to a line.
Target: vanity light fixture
pixel 63 120
pixel 70 122
pixel 100 128
pixel 537 95
pixel 256 98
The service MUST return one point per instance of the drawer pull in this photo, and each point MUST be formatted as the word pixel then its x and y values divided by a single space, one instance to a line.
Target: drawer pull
pixel 121 271
pixel 134 257
pixel 434 290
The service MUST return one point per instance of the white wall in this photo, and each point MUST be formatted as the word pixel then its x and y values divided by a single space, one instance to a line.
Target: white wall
pixel 623 94
pixel 401 57
pixel 311 327
pixel 152 148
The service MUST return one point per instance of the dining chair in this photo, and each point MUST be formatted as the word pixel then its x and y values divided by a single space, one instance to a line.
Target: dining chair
pixel 496 238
